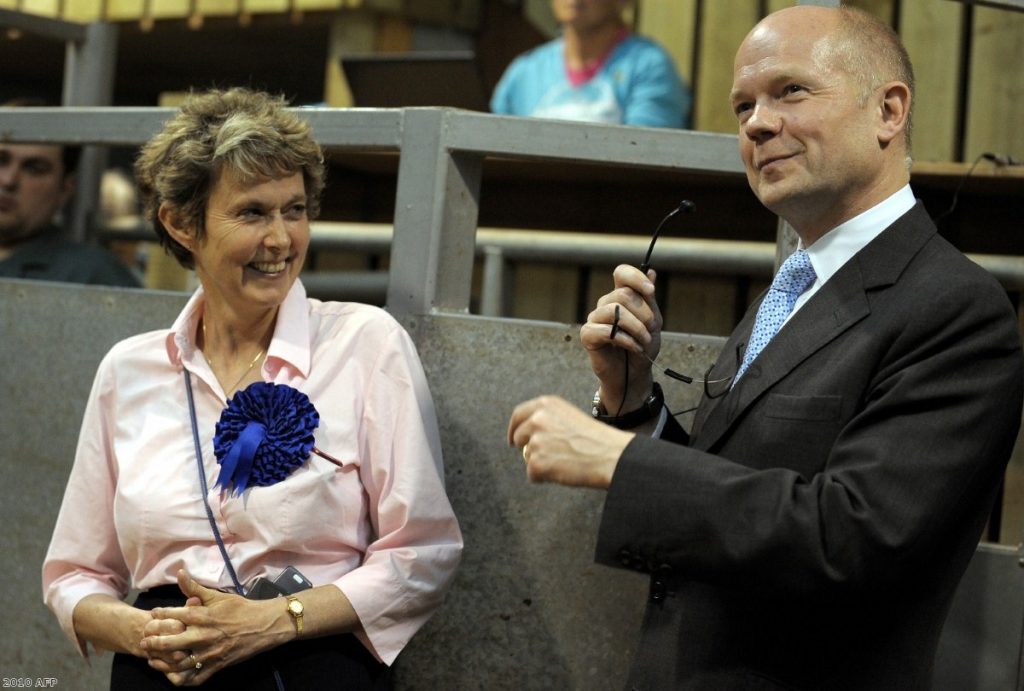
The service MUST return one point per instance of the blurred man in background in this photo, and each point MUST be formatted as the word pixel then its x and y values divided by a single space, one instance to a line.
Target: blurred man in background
pixel 36 180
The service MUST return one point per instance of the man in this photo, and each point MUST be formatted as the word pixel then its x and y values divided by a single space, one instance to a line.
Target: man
pixel 811 529
pixel 35 182
pixel 596 71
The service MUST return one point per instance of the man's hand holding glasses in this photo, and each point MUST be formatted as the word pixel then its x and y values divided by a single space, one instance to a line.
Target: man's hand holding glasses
pixel 622 336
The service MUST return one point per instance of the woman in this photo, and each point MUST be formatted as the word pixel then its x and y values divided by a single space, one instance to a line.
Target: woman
pixel 315 430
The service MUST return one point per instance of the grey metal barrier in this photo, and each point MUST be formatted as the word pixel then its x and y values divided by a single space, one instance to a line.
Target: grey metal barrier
pixel 529 609
pixel 439 175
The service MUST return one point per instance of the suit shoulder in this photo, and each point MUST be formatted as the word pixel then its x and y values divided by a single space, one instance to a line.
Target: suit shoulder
pixel 945 266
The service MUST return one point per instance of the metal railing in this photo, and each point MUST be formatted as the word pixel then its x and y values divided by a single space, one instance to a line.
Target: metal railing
pixel 501 249
pixel 435 240
pixel 441 152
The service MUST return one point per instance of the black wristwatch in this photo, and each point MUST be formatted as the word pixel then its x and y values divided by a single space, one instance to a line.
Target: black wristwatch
pixel 652 407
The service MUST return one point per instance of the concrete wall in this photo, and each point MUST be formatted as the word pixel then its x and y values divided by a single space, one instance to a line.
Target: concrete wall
pixel 529 609
pixel 51 338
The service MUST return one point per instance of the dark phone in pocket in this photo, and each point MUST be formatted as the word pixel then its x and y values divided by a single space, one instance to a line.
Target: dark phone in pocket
pixel 287 582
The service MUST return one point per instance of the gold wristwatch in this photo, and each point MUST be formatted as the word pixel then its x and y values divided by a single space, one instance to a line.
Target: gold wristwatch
pixel 296 609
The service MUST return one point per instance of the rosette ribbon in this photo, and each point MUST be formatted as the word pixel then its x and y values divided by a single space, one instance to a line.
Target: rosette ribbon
pixel 263 435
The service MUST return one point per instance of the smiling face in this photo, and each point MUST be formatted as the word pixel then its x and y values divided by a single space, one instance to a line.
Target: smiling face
pixel 254 243
pixel 808 138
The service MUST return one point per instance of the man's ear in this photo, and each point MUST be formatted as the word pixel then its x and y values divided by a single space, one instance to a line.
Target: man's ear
pixel 894 112
pixel 168 217
pixel 67 188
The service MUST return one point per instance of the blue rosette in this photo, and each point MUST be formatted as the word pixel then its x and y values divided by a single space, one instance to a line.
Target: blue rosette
pixel 263 435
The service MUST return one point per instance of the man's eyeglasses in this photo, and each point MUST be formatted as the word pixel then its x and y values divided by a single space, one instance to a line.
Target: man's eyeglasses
pixel 685 206
pixel 713 387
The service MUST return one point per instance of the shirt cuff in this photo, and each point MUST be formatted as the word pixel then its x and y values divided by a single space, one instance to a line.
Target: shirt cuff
pixel 65 594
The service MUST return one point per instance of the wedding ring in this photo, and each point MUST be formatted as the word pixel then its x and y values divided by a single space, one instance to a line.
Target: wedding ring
pixel 197 663
pixel 526 454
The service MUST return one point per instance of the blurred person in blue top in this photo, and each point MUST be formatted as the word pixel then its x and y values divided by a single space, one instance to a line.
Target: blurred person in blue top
pixel 596 71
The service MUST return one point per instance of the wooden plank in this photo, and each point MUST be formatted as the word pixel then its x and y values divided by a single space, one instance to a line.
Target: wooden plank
pixel 169 9
pixel 44 8
pixel 384 5
pixel 931 32
pixel 1010 178
pixel 351 32
pixel 216 8
pixel 995 107
pixel 318 5
pixel 700 305
pixel 723 27
pixel 266 6
pixel 545 292
pixel 539 14
pixel 673 23
pixel 394 35
pixel 1014 5
pixel 883 9
pixel 125 10
pixel 82 10
pixel 461 14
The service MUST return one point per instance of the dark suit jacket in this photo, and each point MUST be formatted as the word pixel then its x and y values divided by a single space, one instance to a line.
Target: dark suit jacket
pixel 811 531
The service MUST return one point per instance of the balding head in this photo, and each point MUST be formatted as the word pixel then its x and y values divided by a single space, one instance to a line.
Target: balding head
pixel 823 114
pixel 853 41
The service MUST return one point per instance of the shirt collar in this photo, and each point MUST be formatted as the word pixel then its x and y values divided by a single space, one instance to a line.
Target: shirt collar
pixel 289 346
pixel 837 246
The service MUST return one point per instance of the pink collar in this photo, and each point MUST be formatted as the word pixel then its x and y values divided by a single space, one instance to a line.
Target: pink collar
pixel 585 74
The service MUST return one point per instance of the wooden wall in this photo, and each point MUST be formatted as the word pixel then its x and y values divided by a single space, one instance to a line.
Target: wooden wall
pixel 969 96
pixel 970 92
pixel 463 14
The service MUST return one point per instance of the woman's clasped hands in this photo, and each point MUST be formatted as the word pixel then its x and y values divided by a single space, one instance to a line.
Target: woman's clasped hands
pixel 213 630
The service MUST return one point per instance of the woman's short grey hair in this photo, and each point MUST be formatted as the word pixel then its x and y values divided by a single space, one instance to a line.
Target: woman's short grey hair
pixel 249 133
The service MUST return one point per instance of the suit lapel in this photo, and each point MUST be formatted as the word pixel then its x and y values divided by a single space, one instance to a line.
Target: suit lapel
pixel 835 308
pixel 725 367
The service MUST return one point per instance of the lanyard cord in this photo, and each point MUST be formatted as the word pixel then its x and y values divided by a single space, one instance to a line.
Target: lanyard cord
pixel 209 512
pixel 202 483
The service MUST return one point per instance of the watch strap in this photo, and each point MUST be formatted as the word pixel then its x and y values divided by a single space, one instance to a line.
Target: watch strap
pixel 296 610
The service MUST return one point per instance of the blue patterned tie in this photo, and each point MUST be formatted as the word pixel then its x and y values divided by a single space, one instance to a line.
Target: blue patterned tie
pixel 795 276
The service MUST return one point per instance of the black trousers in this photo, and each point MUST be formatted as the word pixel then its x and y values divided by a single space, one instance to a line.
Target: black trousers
pixel 330 662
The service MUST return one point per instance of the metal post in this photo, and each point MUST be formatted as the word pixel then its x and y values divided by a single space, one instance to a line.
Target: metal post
pixel 436 209
pixel 786 241
pixel 89 81
pixel 493 293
